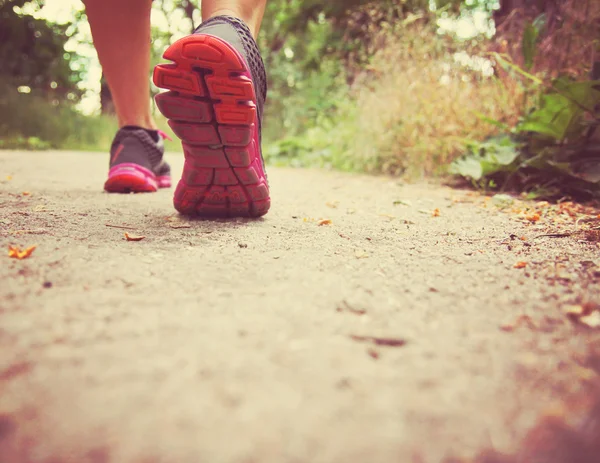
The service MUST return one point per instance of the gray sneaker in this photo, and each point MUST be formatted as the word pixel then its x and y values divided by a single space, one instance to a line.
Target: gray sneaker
pixel 136 162
pixel 217 89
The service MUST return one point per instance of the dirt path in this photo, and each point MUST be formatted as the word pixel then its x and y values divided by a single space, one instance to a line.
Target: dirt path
pixel 374 338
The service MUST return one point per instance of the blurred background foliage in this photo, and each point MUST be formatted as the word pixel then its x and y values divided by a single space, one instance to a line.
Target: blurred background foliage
pixel 500 92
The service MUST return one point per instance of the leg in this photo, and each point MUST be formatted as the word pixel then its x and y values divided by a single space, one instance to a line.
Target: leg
pixel 121 32
pixel 250 11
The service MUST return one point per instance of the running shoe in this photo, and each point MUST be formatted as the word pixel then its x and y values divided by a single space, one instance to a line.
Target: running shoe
pixel 136 162
pixel 217 89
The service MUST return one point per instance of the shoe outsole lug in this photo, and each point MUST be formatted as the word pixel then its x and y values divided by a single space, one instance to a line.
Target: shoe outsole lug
pixel 211 107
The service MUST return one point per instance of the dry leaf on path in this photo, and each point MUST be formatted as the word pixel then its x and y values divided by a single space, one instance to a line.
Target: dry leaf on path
pixel 16 253
pixel 521 320
pixel 520 265
pixel 120 227
pixel 361 254
pixel 324 222
pixel 26 193
pixel 402 202
pixel 389 342
pixel 177 226
pixel 129 237
pixel 436 212
pixel 345 307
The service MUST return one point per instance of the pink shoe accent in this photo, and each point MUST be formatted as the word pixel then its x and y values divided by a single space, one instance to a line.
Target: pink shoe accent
pixel 164 135
pixel 130 178
pixel 163 181
pixel 211 107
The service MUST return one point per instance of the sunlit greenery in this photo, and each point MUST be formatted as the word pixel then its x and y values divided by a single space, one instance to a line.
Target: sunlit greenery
pixel 395 86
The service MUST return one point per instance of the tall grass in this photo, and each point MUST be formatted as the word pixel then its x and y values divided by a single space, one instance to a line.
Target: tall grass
pixel 410 111
pixel 416 105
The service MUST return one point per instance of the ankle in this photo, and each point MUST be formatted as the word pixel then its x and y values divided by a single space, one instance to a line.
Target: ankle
pixel 144 123
pixel 247 15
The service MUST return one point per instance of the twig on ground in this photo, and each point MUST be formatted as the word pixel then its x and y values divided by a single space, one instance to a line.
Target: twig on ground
pixel 121 227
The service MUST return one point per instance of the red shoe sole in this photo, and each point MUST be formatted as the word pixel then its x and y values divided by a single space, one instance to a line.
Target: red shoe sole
pixel 132 178
pixel 211 107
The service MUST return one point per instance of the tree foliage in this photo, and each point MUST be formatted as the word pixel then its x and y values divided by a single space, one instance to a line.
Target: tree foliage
pixel 32 53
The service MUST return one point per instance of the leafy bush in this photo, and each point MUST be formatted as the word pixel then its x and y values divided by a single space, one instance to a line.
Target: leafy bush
pixel 554 148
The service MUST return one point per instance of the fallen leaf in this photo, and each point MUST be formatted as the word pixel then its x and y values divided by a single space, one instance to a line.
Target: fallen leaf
pixel 16 253
pixel 521 320
pixel 502 200
pixel 520 265
pixel 324 222
pixel 26 193
pixel 129 237
pixel 119 226
pixel 345 307
pixel 343 236
pixel 177 226
pixel 39 208
pixel 436 212
pixel 533 217
pixel 373 353
pixel 389 342
pixel 361 254
pixel 402 202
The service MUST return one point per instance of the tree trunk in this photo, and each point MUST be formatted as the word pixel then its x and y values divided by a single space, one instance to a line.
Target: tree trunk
pixel 188 8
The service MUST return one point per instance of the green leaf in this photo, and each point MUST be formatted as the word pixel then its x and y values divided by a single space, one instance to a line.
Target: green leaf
pixel 529 45
pixel 510 65
pixel 484 118
pixel 555 118
pixel 585 94
pixel 505 155
pixel 468 167
pixel 540 23
pixel 541 128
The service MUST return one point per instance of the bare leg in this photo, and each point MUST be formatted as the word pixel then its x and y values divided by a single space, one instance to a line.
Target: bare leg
pixel 250 11
pixel 121 32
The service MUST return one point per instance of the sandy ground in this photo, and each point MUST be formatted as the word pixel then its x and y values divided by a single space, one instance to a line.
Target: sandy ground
pixel 376 338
